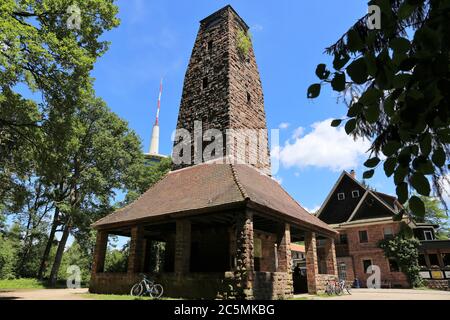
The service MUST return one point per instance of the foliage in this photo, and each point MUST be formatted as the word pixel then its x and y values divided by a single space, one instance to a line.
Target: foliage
pixel 244 42
pixel 405 250
pixel 436 215
pixel 7 258
pixel 22 283
pixel 396 84
pixel 75 255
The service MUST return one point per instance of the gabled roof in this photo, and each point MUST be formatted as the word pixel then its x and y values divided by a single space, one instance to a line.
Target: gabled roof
pixel 208 188
pixel 369 205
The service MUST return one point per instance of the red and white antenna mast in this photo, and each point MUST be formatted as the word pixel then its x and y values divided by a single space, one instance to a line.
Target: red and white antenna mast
pixel 154 144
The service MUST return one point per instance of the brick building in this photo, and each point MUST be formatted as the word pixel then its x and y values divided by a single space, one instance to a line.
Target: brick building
pixel 363 217
pixel 227 227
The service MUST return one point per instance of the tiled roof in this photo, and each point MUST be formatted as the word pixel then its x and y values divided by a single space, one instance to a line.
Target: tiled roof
pixel 207 186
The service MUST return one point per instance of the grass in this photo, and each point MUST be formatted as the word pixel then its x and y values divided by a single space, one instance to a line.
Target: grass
pixel 31 283
pixel 23 283
pixel 120 297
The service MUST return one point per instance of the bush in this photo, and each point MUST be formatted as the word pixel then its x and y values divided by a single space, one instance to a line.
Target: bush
pixel 7 258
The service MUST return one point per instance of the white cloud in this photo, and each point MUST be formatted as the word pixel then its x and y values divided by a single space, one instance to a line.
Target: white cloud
pixel 298 133
pixel 313 210
pixel 257 27
pixel 323 147
pixel 284 125
pixel 278 179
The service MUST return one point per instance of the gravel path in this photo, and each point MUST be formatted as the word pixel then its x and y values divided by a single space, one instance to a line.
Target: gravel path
pixel 43 294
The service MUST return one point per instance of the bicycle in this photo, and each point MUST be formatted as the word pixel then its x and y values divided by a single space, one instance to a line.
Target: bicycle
pixel 147 286
pixel 336 287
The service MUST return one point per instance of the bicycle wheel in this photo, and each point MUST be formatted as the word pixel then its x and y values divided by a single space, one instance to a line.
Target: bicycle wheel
pixel 338 290
pixel 156 291
pixel 137 290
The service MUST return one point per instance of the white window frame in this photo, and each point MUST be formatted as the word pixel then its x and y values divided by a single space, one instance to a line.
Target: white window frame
pixel 341 196
pixel 355 194
pixel 389 234
pixel 425 232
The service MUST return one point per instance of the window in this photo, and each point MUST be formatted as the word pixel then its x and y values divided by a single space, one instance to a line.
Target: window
pixel 341 196
pixel 205 83
pixel 249 98
pixel 433 259
pixel 428 235
pixel 355 193
pixel 363 238
pixel 342 271
pixel 343 238
pixel 422 262
pixel 388 233
pixel 446 259
pixel 210 46
pixel 366 264
pixel 393 265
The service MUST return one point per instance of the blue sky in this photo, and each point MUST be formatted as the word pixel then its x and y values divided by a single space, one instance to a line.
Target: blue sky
pixel 155 40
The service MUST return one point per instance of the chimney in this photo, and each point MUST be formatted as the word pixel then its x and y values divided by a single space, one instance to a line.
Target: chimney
pixel 353 174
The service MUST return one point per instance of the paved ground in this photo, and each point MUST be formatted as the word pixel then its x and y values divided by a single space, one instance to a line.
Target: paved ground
pixel 43 294
pixel 357 294
pixel 388 294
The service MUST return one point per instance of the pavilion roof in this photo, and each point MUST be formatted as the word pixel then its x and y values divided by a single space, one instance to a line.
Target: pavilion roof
pixel 208 188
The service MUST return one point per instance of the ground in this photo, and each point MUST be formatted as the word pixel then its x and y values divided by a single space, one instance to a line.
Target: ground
pixel 385 294
pixel 357 294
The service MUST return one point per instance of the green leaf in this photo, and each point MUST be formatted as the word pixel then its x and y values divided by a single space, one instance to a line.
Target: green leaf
pixel 340 60
pixel 368 174
pixel 401 80
pixel 336 122
pixel 371 113
pixel 389 166
pixel 405 10
pixel 425 144
pixel 338 82
pixel 420 183
pixel 399 175
pixel 354 110
pixel 402 192
pixel 322 72
pixel 372 162
pixel 350 126
pixel 438 157
pixel 391 148
pixel 314 90
pixel 388 107
pixel 370 96
pixel 354 42
pixel 400 45
pixel 417 206
pixel 357 70
pixel 371 63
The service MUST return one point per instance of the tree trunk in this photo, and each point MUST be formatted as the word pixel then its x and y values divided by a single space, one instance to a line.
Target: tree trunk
pixel 59 255
pixel 48 247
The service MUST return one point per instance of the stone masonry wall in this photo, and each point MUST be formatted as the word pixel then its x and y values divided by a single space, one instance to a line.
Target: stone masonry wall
pixel 222 89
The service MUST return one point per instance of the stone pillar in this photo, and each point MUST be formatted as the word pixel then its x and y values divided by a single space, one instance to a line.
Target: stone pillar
pixel 330 257
pixel 284 249
pixel 100 252
pixel 182 246
pixel 244 256
pixel 136 249
pixel 312 269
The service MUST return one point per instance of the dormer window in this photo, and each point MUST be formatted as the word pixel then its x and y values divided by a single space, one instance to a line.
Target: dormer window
pixel 428 235
pixel 341 196
pixel 355 194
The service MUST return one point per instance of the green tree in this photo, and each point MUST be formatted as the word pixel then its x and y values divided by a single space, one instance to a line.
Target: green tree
pixel 395 81
pixel 435 214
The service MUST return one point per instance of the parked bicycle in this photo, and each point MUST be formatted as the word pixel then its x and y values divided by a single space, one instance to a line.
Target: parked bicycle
pixel 336 287
pixel 147 286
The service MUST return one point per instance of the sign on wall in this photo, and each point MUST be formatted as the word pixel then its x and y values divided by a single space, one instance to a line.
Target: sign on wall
pixel 425 274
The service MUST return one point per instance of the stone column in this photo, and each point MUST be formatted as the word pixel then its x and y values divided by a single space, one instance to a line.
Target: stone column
pixel 312 269
pixel 330 256
pixel 136 249
pixel 100 252
pixel 244 255
pixel 284 249
pixel 182 246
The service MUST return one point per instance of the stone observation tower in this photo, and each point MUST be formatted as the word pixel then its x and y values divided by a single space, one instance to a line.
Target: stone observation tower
pixel 226 226
pixel 222 90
